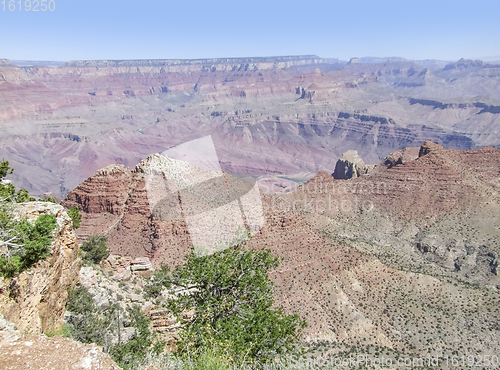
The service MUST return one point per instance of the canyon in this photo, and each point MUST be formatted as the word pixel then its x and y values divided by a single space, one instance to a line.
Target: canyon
pixel 401 257
pixel 278 116
pixel 377 181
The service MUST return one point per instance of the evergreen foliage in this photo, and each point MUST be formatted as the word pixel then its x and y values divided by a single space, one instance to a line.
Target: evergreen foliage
pixel 135 349
pixel 160 278
pixel 8 191
pixel 34 241
pixel 89 324
pixel 75 215
pixel 230 300
pixel 22 243
pixel 86 322
pixel 95 249
pixel 5 169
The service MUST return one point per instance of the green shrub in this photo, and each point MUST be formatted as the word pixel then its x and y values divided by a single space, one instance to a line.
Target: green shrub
pixel 79 300
pixel 88 324
pixel 75 215
pixel 5 169
pixel 36 238
pixel 231 297
pixel 34 241
pixel 95 249
pixel 155 285
pixel 131 353
pixel 24 243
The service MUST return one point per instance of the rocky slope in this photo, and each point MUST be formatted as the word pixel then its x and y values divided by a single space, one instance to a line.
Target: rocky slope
pixel 19 351
pixel 403 258
pixel 283 115
pixel 163 206
pixel 35 300
pixel 34 303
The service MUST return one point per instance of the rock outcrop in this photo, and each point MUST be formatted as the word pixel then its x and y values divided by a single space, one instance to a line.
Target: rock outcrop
pixel 428 147
pixel 164 206
pixel 401 156
pixel 350 165
pixel 35 300
pixel 142 266
pixel 114 201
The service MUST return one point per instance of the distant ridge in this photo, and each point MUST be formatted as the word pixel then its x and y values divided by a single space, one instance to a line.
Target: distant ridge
pixel 171 62
pixel 37 63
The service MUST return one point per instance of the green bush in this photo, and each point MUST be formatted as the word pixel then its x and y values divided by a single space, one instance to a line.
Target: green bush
pixel 129 354
pixel 88 324
pixel 8 192
pixel 79 300
pixel 155 285
pixel 24 244
pixel 231 297
pixel 95 249
pixel 5 169
pixel 75 215
pixel 33 240
pixel 36 238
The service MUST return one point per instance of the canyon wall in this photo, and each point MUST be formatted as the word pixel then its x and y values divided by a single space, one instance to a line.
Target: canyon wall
pixel 289 116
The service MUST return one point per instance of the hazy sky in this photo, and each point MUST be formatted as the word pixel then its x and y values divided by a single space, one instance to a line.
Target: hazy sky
pixel 144 29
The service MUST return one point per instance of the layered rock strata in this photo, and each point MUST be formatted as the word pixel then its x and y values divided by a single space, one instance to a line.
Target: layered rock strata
pixel 281 115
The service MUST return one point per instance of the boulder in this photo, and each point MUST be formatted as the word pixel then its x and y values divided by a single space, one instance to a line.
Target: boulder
pixel 401 156
pixel 135 298
pixel 428 147
pixel 142 266
pixel 125 275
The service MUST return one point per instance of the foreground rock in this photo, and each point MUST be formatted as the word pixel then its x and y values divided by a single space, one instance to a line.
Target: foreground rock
pixel 35 300
pixel 20 352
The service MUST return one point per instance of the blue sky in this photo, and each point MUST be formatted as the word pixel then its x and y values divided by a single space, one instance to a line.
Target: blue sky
pixel 144 29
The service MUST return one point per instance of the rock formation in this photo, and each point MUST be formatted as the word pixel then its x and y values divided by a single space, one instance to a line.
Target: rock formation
pixel 142 266
pixel 401 156
pixel 350 165
pixel 35 300
pixel 163 207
